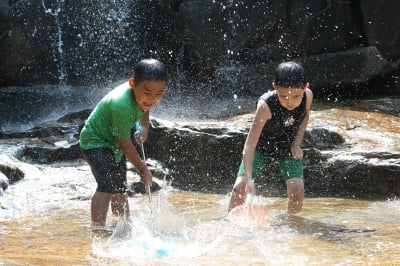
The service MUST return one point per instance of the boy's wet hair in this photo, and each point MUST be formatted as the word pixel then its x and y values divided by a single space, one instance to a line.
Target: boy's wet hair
pixel 150 69
pixel 290 75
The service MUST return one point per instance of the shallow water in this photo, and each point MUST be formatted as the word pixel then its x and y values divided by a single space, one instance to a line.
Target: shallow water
pixel 44 219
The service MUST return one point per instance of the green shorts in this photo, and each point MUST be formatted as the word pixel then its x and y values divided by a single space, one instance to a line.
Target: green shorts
pixel 290 167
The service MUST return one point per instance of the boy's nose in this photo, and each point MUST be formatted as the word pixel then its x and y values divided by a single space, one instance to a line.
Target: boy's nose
pixel 151 97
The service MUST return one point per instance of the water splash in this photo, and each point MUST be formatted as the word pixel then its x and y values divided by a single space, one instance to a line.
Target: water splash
pixel 162 235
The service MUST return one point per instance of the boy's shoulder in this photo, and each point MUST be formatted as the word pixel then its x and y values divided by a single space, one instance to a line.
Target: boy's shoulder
pixel 120 89
pixel 309 94
pixel 119 98
pixel 267 95
pixel 118 93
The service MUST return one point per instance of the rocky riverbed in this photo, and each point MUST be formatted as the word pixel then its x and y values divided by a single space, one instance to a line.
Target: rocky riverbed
pixel 351 149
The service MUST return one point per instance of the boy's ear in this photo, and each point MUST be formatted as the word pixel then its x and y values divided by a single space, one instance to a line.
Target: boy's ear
pixel 131 83
pixel 273 85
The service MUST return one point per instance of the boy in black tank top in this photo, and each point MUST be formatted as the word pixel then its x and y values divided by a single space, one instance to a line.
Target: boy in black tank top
pixel 276 134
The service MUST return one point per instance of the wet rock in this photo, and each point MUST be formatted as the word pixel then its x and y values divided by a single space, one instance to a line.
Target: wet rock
pixel 352 71
pixel 3 183
pixel 43 131
pixel 375 15
pixel 139 188
pixel 354 174
pixel 206 156
pixel 339 161
pixel 200 157
pixel 160 173
pixel 50 153
pixel 48 142
pixel 323 139
pixel 12 170
pixel 387 105
pixel 76 117
pixel 10 167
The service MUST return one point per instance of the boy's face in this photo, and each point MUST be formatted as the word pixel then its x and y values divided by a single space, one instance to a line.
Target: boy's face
pixel 290 98
pixel 147 93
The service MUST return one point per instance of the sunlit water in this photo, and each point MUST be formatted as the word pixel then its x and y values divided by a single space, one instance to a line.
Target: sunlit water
pixel 45 220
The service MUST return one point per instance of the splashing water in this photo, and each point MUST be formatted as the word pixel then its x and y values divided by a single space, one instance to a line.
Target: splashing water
pixel 163 234
pixel 45 220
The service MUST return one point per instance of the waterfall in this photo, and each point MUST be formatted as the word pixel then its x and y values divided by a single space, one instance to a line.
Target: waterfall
pixel 59 56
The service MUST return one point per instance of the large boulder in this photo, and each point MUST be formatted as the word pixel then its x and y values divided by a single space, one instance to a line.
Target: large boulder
pixel 207 159
pixel 348 76
pixel 380 19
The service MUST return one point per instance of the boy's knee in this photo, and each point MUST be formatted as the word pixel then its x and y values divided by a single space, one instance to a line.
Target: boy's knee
pixel 295 184
pixel 297 191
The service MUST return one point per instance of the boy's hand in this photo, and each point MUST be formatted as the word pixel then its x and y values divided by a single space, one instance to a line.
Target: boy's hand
pixel 138 137
pixel 146 177
pixel 297 152
pixel 140 134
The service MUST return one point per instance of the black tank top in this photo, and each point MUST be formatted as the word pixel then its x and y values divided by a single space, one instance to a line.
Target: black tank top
pixel 279 132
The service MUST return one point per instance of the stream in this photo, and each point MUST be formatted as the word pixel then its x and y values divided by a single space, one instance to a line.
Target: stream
pixel 45 219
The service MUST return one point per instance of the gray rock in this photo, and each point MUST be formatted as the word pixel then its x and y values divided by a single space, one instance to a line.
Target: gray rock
pixel 10 167
pixel 3 183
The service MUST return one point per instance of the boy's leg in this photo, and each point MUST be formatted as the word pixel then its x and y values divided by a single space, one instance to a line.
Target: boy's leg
pixel 120 205
pixel 295 192
pixel 111 180
pixel 99 208
pixel 292 171
pixel 119 198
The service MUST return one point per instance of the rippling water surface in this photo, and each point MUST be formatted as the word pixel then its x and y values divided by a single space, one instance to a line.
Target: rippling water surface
pixel 45 220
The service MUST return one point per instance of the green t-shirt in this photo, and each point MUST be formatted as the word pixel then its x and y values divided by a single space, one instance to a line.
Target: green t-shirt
pixel 113 117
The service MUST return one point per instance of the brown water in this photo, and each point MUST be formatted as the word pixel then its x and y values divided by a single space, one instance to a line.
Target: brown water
pixel 45 221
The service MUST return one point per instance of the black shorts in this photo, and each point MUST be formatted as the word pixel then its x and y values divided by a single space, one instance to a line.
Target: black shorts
pixel 110 176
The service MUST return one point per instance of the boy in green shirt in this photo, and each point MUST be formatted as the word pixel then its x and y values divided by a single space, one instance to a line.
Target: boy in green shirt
pixel 105 139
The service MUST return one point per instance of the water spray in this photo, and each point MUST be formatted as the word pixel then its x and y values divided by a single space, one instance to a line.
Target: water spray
pixel 138 128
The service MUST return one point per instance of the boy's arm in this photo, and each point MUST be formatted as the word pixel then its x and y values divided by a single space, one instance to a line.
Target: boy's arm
pixel 131 153
pixel 145 125
pixel 297 152
pixel 263 114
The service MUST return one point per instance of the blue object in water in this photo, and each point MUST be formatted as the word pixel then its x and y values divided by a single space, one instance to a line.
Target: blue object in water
pixel 153 246
pixel 137 126
pixel 161 252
